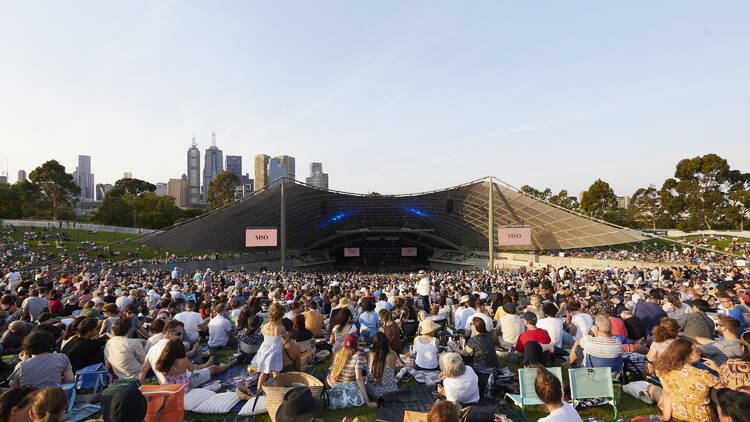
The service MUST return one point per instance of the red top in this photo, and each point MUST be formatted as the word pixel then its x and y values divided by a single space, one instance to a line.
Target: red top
pixel 56 307
pixel 618 327
pixel 539 335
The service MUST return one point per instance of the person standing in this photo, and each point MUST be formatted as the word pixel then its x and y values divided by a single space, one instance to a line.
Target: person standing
pixel 424 288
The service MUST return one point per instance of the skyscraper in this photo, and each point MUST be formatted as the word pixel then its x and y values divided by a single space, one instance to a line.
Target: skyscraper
pixel 234 165
pixel 276 170
pixel 178 189
pixel 213 165
pixel 83 177
pixel 261 171
pixel 21 175
pixel 317 177
pixel 161 188
pixel 288 162
pixel 193 174
pixel 127 174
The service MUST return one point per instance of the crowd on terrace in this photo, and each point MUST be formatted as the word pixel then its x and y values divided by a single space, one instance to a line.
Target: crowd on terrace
pixel 677 333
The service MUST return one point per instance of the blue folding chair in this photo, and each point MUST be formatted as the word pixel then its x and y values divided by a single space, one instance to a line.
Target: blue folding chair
pixel 614 364
pixel 527 396
pixel 94 378
pixel 592 383
pixel 70 396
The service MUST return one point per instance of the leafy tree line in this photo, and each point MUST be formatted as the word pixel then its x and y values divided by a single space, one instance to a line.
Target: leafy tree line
pixel 704 193
pixel 51 193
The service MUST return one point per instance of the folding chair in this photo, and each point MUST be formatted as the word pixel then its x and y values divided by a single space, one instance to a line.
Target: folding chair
pixel 528 397
pixel 592 383
pixel 93 377
pixel 70 396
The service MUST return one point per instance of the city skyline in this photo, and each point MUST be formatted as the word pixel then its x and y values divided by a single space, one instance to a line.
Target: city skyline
pixel 394 97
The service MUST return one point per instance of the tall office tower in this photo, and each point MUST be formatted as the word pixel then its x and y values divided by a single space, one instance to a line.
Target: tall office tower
pixel 178 189
pixel 127 174
pixel 317 177
pixel 212 166
pixel 194 174
pixel 234 165
pixel 261 171
pixel 83 177
pixel 288 162
pixel 161 188
pixel 276 170
pixel 21 175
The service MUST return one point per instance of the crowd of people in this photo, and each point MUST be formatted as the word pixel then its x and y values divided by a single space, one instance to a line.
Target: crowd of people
pixel 682 327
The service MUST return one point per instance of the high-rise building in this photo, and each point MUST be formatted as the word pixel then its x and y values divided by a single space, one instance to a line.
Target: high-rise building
pixel 194 174
pixel 288 162
pixel 161 188
pixel 127 174
pixel 234 165
pixel 83 177
pixel 212 166
pixel 317 177
pixel 102 189
pixel 179 190
pixel 21 175
pixel 261 171
pixel 276 170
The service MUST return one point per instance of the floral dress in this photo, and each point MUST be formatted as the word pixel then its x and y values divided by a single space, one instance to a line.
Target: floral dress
pixel 689 387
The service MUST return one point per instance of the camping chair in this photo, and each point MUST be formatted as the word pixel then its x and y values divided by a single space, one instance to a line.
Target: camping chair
pixel 527 396
pixel 70 396
pixel 591 383
pixel 93 377
pixel 616 365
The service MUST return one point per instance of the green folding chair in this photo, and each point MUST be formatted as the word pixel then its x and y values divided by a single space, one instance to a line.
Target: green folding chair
pixel 591 383
pixel 528 397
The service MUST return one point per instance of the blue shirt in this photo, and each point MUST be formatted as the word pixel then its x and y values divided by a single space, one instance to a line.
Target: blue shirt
pixel 736 313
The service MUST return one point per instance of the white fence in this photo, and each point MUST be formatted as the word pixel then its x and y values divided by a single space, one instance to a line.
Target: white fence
pixel 73 225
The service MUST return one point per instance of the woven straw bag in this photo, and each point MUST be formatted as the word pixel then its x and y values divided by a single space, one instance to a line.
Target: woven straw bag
pixel 278 386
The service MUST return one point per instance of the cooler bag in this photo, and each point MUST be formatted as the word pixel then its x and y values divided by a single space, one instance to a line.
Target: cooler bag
pixel 166 403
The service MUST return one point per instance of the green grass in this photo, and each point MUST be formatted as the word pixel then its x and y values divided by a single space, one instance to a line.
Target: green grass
pixel 719 242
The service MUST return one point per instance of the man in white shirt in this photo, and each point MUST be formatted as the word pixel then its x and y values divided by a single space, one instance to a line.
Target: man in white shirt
pixel 219 328
pixel 124 299
pixel 123 355
pixel 463 312
pixel 193 322
pixel 423 290
pixel 551 324
pixel 582 322
pixel 13 279
pixel 511 325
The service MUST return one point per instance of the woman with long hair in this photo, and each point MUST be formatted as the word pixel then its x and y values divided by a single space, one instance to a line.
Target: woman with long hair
pixel 348 366
pixel 381 377
pixel 178 369
pixel 299 333
pixel 49 405
pixel 15 404
pixel 340 327
pixel 684 391
pixel 269 358
pixel 390 329
pixel 664 334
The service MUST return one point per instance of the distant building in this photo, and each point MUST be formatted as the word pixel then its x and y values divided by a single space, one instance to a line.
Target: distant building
pixel 261 171
pixel 288 162
pixel 234 165
pixel 212 166
pixel 276 170
pixel 102 189
pixel 83 177
pixel 194 174
pixel 161 189
pixel 179 190
pixel 86 207
pixel 21 175
pixel 243 190
pixel 127 175
pixel 317 177
pixel 623 202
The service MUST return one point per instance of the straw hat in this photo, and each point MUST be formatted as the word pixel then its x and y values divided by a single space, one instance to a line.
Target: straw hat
pixel 464 299
pixel 428 326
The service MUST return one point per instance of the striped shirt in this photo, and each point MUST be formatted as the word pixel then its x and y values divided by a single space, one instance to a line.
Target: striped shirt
pixel 348 374
pixel 602 347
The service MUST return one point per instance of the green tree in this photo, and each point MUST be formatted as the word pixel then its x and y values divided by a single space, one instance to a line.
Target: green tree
pixel 10 202
pixel 221 190
pixel 562 199
pixel 698 195
pixel 144 210
pixel 646 208
pixel 544 195
pixel 131 186
pixel 57 188
pixel 599 199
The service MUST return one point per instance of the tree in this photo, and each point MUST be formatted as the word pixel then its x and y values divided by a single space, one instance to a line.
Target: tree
pixel 698 195
pixel 221 190
pixel 10 202
pixel 562 199
pixel 131 186
pixel 599 199
pixel 57 188
pixel 145 210
pixel 544 195
pixel 646 206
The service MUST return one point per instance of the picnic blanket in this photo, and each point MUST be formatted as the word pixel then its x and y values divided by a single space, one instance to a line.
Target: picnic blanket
pixel 391 406
pixel 428 378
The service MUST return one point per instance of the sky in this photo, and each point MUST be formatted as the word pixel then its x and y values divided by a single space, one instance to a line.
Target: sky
pixel 391 96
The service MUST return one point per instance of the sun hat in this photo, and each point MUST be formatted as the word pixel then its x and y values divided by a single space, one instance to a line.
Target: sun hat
pixel 298 405
pixel 428 326
pixel 464 299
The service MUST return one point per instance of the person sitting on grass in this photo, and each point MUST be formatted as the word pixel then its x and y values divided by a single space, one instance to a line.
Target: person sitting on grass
pixel 294 358
pixel 348 366
pixel 460 383
pixel 549 390
pixel 443 411
pixel 40 366
pixel 177 368
pixel 731 406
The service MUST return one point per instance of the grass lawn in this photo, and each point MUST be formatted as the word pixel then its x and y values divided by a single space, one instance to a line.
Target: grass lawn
pixel 719 242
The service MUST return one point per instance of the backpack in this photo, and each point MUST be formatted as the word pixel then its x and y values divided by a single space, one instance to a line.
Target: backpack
pixel 119 385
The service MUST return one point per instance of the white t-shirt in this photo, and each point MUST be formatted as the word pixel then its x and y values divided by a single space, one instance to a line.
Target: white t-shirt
pixel 488 323
pixel 566 413
pixel 14 279
pixel 423 287
pixel 554 327
pixel 463 388
pixel 153 354
pixel 512 327
pixel 218 331
pixel 583 323
pixel 153 340
pixel 191 320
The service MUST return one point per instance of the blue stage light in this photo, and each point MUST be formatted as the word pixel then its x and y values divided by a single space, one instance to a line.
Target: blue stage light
pixel 417 211
pixel 336 217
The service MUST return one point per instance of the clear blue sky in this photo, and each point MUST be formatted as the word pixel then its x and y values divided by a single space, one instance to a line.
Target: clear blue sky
pixel 391 96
